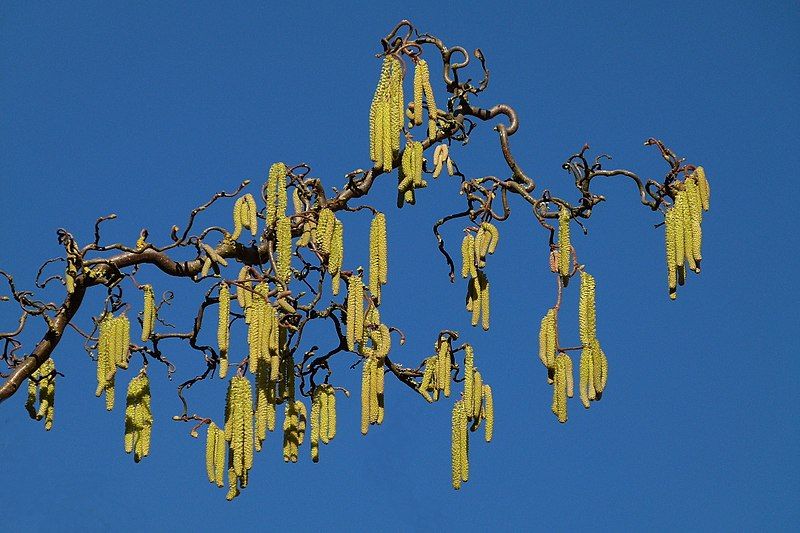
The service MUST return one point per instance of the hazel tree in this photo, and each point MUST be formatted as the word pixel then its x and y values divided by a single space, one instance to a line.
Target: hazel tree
pixel 279 265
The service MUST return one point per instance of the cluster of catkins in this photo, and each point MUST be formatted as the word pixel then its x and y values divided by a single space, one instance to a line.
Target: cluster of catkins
pixel 43 383
pixel 138 417
pixel 475 405
pixel 593 368
pixel 474 249
pixel 683 233
pixel 113 350
pixel 386 126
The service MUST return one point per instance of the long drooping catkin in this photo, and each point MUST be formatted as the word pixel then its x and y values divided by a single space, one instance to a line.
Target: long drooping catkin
pixel 459 445
pixel 695 209
pixel 223 328
pixel 468 256
pixel 705 191
pixel 427 89
pixel 682 204
pixel 366 394
pixel 564 246
pixel 355 311
pixel 548 340
pixel 478 299
pixel 275 193
pixel 670 244
pixel 587 320
pixel 489 412
pixel 337 255
pixel 138 417
pixel 469 369
pixel 283 268
pixel 377 255
pixel 149 314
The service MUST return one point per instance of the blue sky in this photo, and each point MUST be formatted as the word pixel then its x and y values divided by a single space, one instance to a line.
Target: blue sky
pixel 145 111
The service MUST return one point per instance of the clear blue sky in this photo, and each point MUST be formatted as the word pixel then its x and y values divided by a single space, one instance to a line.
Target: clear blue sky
pixel 146 111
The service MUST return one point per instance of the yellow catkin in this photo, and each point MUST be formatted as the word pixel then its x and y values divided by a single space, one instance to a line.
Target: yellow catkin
pixel 283 267
pixel 552 338
pixel 469 368
pixel 149 314
pixel 315 423
pixel 237 219
pixel 494 236
pixel 33 391
pixel 378 267
pixel 390 135
pixel 705 191
pixel 366 394
pixel 263 406
pixel 466 256
pixel 220 449
pixel 669 239
pixel 375 120
pixel 560 389
pixel 429 98
pixel 427 381
pixel 599 367
pixel 331 392
pixel 355 311
pixel 489 413
pixel 243 295
pixel 324 230
pixel 695 217
pixel 477 397
pixel 484 297
pixel 223 328
pixel 444 366
pixel 276 193
pixel 336 256
pixel 679 233
pixel 375 408
pixel 252 213
pixel 397 102
pixel 584 378
pixel 682 203
pixel 474 300
pixel 459 445
pixel 323 414
pixel 564 246
pixel 420 77
pixel 544 331
pixel 211 453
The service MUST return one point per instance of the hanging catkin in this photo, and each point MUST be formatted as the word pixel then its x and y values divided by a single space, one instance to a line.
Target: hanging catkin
pixel 355 311
pixel 489 412
pixel 336 255
pixel 459 445
pixel 469 369
pixel 283 269
pixel 705 191
pixel 149 313
pixel 564 246
pixel 378 268
pixel 223 328
pixel 670 244
pixel 275 193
